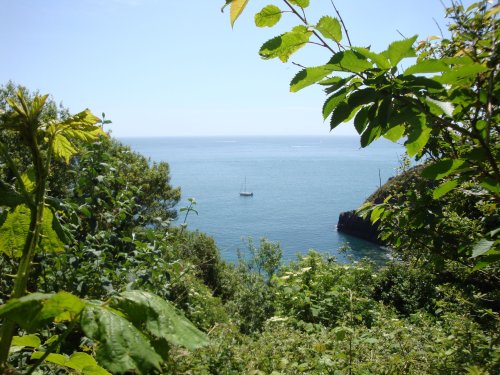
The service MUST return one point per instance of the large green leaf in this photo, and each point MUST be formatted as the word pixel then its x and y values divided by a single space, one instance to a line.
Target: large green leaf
pixel 20 342
pixel 63 148
pixel 309 76
pixel 417 139
pixel 333 101
pixel 14 230
pixel 285 45
pixel 442 168
pixel 372 132
pixel 330 28
pixel 268 16
pixel 361 119
pixel 35 310
pixel 158 318
pixel 399 50
pixel 121 346
pixel 352 61
pixel 395 133
pixel 342 113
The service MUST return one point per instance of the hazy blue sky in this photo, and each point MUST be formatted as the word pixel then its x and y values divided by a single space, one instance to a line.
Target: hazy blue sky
pixel 162 67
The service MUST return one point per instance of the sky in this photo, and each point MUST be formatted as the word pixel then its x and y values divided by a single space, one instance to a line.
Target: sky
pixel 177 68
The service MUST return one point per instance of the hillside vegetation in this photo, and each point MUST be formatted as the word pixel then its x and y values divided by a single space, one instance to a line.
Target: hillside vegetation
pixel 99 278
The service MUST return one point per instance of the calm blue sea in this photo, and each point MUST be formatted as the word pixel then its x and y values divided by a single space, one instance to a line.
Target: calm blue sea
pixel 300 186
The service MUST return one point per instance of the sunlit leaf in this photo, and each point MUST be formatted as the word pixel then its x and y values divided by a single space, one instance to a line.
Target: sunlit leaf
pixel 285 45
pixel 63 148
pixel 351 61
pixel 58 359
pixel 395 133
pixel 236 9
pixel 32 341
pixel 379 59
pixel 35 310
pixel 461 74
pixel 300 3
pixel 309 76
pixel 417 139
pixel 268 16
pixel 330 28
pixel 427 66
pixel 444 188
pixel 400 49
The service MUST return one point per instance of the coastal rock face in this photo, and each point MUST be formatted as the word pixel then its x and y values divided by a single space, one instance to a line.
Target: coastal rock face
pixel 352 224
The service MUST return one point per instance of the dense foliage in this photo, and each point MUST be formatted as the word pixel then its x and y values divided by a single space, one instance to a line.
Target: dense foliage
pixel 97 278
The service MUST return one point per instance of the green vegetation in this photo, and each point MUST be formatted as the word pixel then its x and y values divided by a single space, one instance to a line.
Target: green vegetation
pixel 97 279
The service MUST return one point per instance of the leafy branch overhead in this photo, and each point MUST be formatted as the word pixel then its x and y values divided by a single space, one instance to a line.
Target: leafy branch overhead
pixel 443 106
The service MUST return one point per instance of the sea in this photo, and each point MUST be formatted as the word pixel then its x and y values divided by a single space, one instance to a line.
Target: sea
pixel 300 185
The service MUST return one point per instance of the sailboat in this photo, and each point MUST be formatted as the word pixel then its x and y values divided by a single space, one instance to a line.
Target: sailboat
pixel 245 192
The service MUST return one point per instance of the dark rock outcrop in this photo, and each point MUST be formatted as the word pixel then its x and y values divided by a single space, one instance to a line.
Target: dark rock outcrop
pixel 352 224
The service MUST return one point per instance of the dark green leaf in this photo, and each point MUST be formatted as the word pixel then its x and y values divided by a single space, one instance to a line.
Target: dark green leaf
pixel 490 184
pixel 371 133
pixel 341 113
pixel 442 168
pixel 158 318
pixel 384 111
pixel 334 83
pixel 62 232
pixel 333 101
pixel 364 96
pixel 122 348
pixel 361 120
